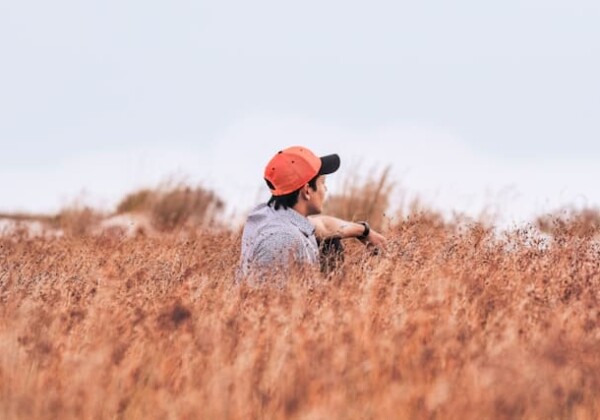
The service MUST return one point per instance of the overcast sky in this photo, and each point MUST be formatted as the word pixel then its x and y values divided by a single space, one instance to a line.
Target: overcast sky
pixel 474 104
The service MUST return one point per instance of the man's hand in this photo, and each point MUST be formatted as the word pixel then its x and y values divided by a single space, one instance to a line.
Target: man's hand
pixel 375 241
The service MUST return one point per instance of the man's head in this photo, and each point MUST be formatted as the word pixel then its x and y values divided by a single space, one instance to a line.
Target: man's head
pixel 296 177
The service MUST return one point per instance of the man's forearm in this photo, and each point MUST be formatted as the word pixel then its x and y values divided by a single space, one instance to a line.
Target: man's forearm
pixel 332 227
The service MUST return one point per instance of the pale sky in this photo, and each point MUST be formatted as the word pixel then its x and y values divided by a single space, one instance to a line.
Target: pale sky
pixel 474 105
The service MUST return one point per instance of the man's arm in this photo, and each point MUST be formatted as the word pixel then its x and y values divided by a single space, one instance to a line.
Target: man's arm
pixel 331 227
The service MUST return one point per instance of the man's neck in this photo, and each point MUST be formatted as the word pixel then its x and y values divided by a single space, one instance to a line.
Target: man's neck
pixel 301 208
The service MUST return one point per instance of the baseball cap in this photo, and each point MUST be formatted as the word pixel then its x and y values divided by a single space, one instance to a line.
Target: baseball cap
pixel 292 168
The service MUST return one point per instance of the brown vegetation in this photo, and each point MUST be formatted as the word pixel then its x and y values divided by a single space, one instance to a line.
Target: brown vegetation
pixel 455 321
pixel 584 223
pixel 174 205
pixel 76 220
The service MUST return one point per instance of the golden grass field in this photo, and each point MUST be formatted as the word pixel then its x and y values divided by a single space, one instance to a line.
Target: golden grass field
pixel 455 321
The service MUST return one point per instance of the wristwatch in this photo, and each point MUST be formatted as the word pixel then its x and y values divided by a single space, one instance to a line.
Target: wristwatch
pixel 366 232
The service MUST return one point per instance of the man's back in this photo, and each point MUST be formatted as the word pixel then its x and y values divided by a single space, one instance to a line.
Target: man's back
pixel 274 239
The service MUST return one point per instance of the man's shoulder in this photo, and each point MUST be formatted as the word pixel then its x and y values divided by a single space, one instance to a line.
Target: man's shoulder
pixel 277 235
pixel 265 219
pixel 264 227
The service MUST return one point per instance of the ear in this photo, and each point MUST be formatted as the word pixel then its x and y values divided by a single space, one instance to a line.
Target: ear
pixel 306 192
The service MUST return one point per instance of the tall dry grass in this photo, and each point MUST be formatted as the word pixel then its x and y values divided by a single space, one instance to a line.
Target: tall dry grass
pixel 455 321
pixel 570 222
pixel 363 198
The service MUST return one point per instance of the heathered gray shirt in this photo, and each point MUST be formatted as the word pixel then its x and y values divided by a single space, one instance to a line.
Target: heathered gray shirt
pixel 274 239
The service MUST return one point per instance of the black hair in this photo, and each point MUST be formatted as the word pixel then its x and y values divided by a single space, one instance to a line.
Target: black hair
pixel 291 199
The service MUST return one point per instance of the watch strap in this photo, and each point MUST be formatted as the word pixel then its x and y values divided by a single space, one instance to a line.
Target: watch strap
pixel 366 232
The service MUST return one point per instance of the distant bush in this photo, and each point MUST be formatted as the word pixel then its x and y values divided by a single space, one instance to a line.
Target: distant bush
pixel 138 201
pixel 76 220
pixel 172 206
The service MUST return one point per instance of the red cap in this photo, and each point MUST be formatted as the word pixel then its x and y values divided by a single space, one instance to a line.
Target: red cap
pixel 292 168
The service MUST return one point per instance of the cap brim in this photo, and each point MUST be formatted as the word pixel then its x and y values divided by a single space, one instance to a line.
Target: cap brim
pixel 329 164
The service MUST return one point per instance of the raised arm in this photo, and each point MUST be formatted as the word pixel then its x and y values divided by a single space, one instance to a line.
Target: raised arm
pixel 331 227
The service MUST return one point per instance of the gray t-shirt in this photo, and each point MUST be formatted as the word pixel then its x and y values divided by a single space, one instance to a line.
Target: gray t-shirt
pixel 275 239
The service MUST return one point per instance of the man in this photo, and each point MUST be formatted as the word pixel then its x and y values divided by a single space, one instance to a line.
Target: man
pixel 284 231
